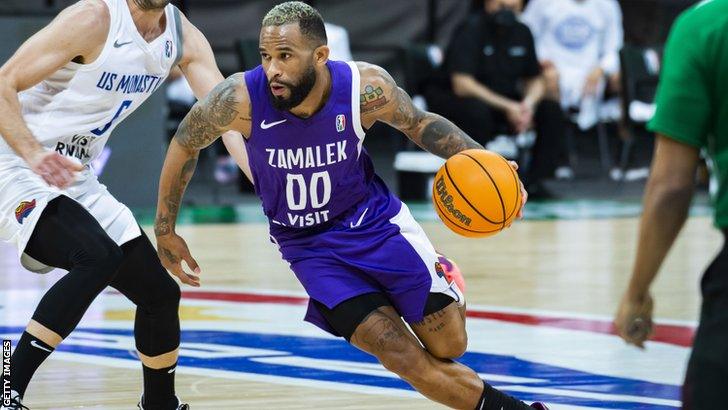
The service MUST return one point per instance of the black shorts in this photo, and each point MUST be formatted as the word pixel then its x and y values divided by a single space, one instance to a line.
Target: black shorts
pixel 349 314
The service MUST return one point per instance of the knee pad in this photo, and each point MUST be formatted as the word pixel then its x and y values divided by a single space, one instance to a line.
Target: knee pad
pixel 103 259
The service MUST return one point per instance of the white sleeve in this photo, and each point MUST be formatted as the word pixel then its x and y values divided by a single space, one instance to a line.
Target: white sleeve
pixel 613 38
pixel 533 17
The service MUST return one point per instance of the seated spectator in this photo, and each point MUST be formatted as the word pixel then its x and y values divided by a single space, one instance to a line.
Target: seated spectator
pixel 578 43
pixel 492 84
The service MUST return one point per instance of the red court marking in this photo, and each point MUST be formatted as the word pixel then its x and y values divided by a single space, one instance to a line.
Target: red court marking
pixel 672 334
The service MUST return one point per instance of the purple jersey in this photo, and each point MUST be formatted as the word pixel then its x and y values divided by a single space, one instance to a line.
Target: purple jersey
pixel 336 223
pixel 308 171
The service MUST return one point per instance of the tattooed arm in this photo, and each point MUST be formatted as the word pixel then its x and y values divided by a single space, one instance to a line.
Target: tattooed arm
pixel 217 113
pixel 382 100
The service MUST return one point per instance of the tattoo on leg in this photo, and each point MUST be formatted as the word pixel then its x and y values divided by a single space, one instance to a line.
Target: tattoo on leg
pixel 433 322
pixel 382 331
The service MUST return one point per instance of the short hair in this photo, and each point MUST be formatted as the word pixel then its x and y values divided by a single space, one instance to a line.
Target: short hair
pixel 308 18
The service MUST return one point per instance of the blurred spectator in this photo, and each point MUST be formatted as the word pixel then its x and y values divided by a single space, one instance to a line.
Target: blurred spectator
pixel 339 47
pixel 493 85
pixel 578 43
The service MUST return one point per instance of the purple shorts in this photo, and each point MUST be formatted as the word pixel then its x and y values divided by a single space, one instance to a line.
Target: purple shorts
pixel 376 247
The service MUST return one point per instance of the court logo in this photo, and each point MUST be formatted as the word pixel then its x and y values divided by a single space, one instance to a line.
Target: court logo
pixel 23 210
pixel 286 358
pixel 340 122
pixel 168 48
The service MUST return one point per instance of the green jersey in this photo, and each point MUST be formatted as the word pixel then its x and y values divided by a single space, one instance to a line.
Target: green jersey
pixel 692 98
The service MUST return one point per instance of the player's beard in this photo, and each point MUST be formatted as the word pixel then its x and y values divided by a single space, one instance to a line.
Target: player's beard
pixel 151 4
pixel 299 91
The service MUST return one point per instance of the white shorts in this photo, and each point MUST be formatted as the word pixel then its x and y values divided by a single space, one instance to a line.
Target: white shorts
pixel 24 195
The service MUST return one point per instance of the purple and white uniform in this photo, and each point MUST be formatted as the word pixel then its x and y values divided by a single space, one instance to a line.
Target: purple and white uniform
pixel 335 221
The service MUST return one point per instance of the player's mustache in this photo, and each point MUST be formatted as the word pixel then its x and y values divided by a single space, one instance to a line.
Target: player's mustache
pixel 279 82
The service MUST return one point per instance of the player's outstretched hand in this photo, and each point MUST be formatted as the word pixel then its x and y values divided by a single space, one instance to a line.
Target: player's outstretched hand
pixel 172 250
pixel 54 168
pixel 524 193
pixel 634 320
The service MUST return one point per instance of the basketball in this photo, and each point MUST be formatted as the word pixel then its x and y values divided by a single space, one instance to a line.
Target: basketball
pixel 476 193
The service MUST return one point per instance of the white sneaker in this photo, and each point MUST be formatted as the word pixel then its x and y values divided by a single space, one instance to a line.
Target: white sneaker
pixel 180 405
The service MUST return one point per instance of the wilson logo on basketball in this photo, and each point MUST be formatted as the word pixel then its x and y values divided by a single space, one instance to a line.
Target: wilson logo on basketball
pixel 23 210
pixel 446 202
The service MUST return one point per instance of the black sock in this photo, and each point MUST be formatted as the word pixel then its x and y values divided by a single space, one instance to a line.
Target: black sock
pixel 492 399
pixel 159 388
pixel 28 356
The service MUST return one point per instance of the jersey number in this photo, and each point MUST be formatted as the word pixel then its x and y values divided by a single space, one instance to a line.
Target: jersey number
pixel 101 130
pixel 299 202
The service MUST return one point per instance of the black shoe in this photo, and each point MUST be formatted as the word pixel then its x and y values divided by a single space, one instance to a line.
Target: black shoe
pixel 16 403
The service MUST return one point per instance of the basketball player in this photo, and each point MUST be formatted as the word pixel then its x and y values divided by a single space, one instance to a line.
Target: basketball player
pixel 360 255
pixel 692 114
pixel 61 95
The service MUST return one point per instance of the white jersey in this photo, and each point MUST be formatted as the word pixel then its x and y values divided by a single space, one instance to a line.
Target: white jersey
pixel 74 110
pixel 577 36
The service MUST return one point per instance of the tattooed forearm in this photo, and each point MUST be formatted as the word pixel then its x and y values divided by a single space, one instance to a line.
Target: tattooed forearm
pixel 430 131
pixel 443 138
pixel 164 222
pixel 211 117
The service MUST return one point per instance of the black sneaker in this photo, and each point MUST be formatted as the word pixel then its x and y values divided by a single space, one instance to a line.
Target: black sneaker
pixel 16 403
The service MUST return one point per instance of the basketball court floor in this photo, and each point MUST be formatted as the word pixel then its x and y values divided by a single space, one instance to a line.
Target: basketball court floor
pixel 540 296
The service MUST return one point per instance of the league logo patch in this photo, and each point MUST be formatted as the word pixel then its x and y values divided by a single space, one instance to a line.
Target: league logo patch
pixel 168 49
pixel 439 270
pixel 340 122
pixel 23 210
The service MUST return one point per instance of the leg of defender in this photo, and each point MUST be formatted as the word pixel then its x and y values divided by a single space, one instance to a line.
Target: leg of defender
pixel 143 280
pixel 68 237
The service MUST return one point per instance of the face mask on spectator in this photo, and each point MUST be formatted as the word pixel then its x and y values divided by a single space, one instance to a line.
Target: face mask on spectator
pixel 504 17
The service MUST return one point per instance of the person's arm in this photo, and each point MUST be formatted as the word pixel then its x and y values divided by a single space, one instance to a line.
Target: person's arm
pixel 667 200
pixel 683 122
pixel 430 131
pixel 200 69
pixel 225 108
pixel 465 85
pixel 78 32
pixel 608 64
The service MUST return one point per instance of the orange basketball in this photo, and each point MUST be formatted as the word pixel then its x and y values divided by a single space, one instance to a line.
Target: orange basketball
pixel 476 193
